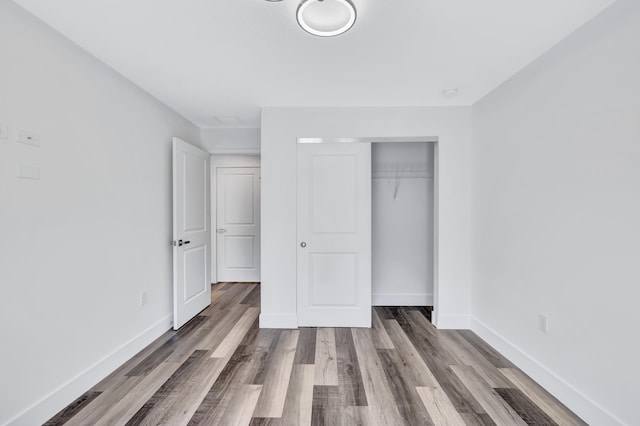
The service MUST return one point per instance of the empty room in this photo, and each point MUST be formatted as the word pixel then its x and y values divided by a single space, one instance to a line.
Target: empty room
pixel 319 212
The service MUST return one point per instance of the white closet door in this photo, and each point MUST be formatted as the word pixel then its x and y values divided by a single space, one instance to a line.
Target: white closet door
pixel 238 224
pixel 334 235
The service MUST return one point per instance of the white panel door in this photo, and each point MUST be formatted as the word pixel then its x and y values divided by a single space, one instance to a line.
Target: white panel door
pixel 191 232
pixel 238 224
pixel 334 235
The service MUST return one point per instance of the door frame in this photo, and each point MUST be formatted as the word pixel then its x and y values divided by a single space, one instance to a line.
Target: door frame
pixel 224 161
pixel 436 192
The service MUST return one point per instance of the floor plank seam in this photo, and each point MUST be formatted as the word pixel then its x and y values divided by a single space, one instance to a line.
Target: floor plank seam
pixel 221 369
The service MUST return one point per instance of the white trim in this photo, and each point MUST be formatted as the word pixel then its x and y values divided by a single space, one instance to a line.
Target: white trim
pixel 428 139
pixel 436 233
pixel 238 151
pixel 579 403
pixel 390 299
pixel 42 410
pixel 278 321
pixel 235 160
pixel 452 322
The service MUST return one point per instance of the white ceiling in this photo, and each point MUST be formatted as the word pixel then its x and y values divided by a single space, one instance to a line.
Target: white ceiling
pixel 207 58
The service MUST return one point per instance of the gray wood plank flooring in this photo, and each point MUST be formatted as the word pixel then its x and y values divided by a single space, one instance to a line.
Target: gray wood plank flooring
pixel 221 369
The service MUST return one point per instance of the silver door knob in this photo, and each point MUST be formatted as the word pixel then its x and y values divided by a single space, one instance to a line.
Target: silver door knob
pixel 221 230
pixel 303 244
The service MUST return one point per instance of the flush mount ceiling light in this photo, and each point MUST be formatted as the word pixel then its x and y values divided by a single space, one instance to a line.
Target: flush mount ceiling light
pixel 326 18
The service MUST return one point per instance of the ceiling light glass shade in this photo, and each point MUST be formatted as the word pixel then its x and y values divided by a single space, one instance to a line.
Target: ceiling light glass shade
pixel 326 18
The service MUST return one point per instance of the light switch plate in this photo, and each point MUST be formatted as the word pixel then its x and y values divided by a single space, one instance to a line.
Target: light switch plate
pixel 26 171
pixel 4 131
pixel 29 138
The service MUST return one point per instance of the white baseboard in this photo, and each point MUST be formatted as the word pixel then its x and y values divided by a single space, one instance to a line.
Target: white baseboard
pixel 389 299
pixel 452 322
pixel 278 321
pixel 579 403
pixel 51 404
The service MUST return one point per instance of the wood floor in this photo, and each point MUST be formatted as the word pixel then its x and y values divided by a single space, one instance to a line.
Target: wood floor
pixel 221 369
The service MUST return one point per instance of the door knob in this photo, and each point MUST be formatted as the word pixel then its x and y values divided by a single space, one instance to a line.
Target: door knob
pixel 221 230
pixel 187 242
pixel 303 244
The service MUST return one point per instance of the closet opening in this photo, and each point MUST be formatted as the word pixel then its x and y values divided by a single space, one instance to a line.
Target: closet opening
pixel 402 228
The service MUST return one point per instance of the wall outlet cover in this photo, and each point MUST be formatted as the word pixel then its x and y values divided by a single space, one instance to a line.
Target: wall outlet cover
pixel 26 171
pixel 4 131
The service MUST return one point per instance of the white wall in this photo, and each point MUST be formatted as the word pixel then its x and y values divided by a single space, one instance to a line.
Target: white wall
pixel 280 129
pixel 231 140
pixel 79 245
pixel 402 226
pixel 557 217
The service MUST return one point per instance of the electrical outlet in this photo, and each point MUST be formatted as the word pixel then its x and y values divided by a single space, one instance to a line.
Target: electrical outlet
pixel 4 131
pixel 543 323
pixel 26 171
pixel 143 298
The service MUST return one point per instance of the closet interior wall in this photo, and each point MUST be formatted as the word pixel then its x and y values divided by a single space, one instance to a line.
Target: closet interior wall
pixel 402 223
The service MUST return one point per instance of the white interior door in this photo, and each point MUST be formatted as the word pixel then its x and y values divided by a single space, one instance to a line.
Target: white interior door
pixel 238 224
pixel 191 232
pixel 334 235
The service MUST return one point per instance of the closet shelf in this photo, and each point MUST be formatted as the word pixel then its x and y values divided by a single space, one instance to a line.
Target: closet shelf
pixel 401 174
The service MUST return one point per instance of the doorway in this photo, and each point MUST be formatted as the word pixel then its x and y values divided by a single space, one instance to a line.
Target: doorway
pixel 402 211
pixel 334 213
pixel 235 218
